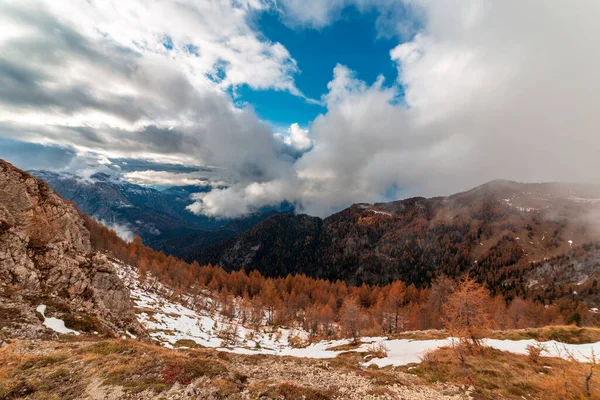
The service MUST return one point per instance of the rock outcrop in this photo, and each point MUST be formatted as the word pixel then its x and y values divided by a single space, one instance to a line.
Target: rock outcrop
pixel 46 258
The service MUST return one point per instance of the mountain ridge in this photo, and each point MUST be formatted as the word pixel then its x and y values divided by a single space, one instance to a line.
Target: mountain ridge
pixel 494 230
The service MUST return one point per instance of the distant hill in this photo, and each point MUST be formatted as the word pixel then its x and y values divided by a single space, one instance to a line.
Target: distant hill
pixel 159 217
pixel 494 232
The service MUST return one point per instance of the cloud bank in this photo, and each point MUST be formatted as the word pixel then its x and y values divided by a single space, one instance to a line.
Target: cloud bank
pixel 485 89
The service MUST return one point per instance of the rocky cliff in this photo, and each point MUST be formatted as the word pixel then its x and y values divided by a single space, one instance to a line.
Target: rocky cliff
pixel 46 258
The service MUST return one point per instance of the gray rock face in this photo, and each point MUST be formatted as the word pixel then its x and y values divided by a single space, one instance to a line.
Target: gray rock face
pixel 46 258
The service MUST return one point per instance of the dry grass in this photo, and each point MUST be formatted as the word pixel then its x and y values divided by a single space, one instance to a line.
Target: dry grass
pixel 188 343
pixel 64 373
pixel 430 334
pixel 39 377
pixel 502 375
pixel 263 389
pixel 349 361
pixel 563 333
pixel 382 377
pixel 346 347
pixel 225 388
pixel 378 349
pixel 65 369
pixel 292 391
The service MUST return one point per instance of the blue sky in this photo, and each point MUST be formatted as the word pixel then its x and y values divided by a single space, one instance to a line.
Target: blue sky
pixel 352 40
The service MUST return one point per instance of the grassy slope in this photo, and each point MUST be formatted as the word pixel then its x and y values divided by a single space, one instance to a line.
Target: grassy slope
pixel 68 368
pixel 565 334
pixel 500 375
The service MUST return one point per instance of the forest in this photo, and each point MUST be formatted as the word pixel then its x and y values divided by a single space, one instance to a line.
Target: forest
pixel 320 305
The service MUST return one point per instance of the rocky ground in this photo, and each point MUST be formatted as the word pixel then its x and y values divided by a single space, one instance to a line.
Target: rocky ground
pixel 46 258
pixel 128 369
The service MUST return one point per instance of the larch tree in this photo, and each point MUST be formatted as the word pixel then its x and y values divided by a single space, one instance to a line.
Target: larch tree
pixel 351 318
pixel 465 313
pixel 518 311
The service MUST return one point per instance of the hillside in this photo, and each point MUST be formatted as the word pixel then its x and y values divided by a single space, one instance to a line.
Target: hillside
pixel 493 232
pixel 48 265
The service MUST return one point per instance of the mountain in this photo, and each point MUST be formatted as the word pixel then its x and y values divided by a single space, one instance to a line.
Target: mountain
pixel 159 217
pixel 47 265
pixel 145 211
pixel 493 232
pixel 189 331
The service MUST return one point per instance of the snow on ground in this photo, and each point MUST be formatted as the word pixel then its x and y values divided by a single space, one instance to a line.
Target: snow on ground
pixel 381 212
pixel 404 351
pixel 584 200
pixel 169 322
pixel 520 208
pixel 56 324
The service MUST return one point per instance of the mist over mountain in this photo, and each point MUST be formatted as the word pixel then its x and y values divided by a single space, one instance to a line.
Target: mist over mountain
pixel 158 216
pixel 493 232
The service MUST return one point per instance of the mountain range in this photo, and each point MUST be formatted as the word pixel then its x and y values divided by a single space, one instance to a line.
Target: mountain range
pixel 85 314
pixel 494 232
pixel 512 236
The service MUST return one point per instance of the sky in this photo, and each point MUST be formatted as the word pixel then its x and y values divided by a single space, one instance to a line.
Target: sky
pixel 318 103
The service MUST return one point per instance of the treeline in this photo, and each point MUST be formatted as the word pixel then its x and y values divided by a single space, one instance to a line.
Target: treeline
pixel 318 305
pixel 413 240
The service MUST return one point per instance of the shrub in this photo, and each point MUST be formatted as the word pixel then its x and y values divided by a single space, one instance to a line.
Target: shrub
pixel 184 371
pixel 176 373
pixel 225 387
pixel 378 349
pixel 291 391
pixel 534 351
pixel 41 230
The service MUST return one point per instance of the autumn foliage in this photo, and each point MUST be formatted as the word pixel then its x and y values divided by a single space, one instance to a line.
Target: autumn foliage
pixel 466 314
pixel 327 308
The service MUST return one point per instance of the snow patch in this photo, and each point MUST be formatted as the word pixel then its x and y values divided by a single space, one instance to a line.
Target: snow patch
pixel 169 321
pixel 56 324
pixel 584 200
pixel 403 351
pixel 381 212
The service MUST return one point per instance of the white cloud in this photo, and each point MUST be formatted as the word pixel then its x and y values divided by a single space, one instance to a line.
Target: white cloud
pixel 123 231
pixel 145 79
pixel 244 199
pixel 296 137
pixel 394 17
pixel 166 178
pixel 493 89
